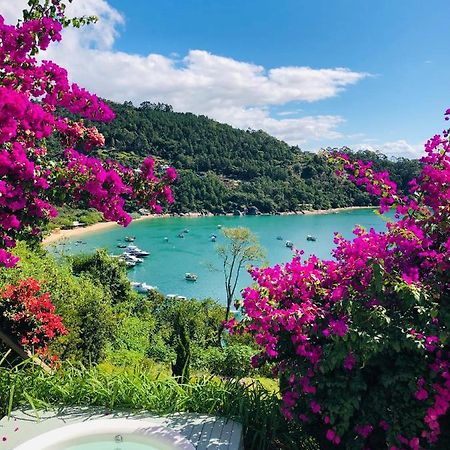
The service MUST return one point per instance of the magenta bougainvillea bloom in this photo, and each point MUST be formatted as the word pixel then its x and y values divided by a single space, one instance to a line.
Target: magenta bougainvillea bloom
pixel 365 335
pixel 33 96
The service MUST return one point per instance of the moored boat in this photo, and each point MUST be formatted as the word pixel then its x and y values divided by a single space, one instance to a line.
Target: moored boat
pixel 136 251
pixel 143 288
pixel 289 244
pixel 311 238
pixel 130 238
pixel 190 276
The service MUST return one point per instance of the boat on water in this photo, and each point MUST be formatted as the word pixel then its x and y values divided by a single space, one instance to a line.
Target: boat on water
pixel 279 238
pixel 143 288
pixel 136 251
pixel 190 276
pixel 122 245
pixel 213 238
pixel 186 230
pixel 128 257
pixel 166 239
pixel 289 244
pixel 311 238
pixel 219 226
pixel 130 238
pixel 181 235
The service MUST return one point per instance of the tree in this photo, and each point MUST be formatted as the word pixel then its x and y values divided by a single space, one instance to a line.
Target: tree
pixel 242 248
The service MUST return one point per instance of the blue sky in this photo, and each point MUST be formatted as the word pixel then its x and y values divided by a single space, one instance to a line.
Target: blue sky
pixel 277 65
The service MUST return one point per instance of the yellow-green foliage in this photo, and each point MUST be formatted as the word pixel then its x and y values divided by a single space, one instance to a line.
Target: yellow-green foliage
pixel 84 305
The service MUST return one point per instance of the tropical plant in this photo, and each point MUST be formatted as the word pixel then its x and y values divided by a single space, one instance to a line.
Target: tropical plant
pixel 28 315
pixel 361 341
pixel 31 184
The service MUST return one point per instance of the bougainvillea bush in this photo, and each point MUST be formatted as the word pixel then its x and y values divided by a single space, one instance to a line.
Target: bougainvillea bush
pixel 28 315
pixel 33 96
pixel 361 341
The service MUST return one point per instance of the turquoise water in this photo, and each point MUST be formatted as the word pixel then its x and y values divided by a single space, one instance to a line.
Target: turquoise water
pixel 169 261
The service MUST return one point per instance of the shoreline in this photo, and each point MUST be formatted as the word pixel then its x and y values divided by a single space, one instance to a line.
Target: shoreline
pixel 58 234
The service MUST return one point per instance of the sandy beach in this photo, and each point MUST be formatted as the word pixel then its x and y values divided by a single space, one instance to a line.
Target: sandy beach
pixel 58 234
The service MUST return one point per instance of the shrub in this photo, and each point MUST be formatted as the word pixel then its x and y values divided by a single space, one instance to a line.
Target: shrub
pixel 361 342
pixel 28 315
pixel 109 272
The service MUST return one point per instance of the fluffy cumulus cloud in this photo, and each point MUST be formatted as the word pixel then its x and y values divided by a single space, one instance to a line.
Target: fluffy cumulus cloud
pixel 231 91
pixel 394 149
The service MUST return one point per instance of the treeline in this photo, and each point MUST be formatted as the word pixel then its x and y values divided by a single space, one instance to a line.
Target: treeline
pixel 224 169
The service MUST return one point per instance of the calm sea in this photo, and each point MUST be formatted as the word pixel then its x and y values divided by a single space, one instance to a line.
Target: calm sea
pixel 170 260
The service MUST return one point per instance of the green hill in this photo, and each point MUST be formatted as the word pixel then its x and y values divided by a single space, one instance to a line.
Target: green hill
pixel 223 168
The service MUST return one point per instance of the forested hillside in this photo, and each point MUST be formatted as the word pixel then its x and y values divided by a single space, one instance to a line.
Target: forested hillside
pixel 223 169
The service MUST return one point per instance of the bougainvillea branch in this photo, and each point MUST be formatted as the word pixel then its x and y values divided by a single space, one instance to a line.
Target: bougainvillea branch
pixel 33 96
pixel 361 341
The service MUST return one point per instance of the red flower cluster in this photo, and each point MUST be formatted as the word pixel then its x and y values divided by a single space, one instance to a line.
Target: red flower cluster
pixel 29 315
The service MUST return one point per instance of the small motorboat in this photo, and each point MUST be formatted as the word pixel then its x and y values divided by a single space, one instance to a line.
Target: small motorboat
pixel 185 230
pixel 219 226
pixel 122 245
pixel 129 257
pixel 190 276
pixel 142 288
pixel 130 238
pixel 289 244
pixel 279 238
pixel 181 235
pixel 166 239
pixel 136 251
pixel 213 238
pixel 311 238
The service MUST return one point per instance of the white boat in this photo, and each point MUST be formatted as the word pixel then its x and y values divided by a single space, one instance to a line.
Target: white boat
pixel 289 244
pixel 129 257
pixel 219 226
pixel 213 238
pixel 190 276
pixel 175 297
pixel 143 288
pixel 311 238
pixel 136 251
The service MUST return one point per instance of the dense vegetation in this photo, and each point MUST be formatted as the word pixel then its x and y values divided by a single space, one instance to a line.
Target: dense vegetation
pixel 222 168
pixel 129 344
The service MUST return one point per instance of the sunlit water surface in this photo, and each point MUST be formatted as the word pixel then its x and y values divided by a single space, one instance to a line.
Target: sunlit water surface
pixel 170 260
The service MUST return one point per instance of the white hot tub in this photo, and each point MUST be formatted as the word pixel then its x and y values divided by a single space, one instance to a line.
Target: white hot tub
pixel 110 434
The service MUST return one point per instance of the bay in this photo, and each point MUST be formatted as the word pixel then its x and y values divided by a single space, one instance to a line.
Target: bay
pixel 170 260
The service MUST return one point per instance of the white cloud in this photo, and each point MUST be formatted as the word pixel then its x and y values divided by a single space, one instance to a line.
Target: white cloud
pixel 395 149
pixel 231 91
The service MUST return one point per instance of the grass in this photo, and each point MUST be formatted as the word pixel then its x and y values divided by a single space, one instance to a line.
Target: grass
pixel 136 389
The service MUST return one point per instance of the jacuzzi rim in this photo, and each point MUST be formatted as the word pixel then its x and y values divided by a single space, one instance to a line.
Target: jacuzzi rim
pixel 96 427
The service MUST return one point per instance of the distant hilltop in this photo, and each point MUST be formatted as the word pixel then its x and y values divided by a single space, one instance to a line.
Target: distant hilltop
pixel 224 169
